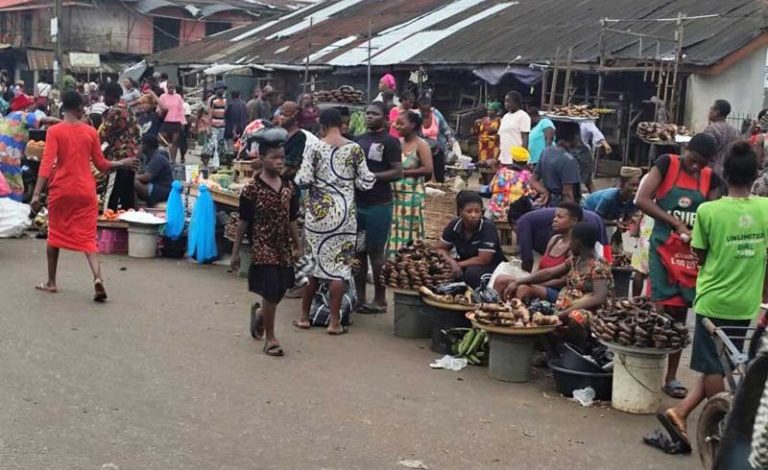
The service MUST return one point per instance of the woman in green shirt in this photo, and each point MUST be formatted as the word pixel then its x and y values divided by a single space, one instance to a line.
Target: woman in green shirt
pixel 730 240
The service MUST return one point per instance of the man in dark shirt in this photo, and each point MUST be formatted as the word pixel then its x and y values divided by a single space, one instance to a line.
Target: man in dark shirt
pixel 294 146
pixel 235 117
pixel 478 250
pixel 154 183
pixel 374 207
pixel 557 175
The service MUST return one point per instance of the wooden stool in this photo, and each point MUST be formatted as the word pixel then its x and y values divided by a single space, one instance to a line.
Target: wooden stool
pixel 507 238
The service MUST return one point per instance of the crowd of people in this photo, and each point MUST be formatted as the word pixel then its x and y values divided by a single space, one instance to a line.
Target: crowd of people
pixel 362 196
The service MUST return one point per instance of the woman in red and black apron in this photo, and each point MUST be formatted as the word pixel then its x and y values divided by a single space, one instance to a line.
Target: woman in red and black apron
pixel 671 193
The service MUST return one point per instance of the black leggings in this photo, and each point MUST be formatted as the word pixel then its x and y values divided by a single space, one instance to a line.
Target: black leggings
pixel 438 160
pixel 123 193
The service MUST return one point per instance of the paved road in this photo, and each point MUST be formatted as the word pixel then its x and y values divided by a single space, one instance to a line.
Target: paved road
pixel 166 376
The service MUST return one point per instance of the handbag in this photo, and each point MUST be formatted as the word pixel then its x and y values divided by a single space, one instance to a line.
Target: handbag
pixel 320 312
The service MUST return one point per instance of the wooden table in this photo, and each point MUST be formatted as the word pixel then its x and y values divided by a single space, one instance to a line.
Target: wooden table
pixel 222 197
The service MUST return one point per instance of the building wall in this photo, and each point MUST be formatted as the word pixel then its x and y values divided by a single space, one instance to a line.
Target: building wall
pixel 742 85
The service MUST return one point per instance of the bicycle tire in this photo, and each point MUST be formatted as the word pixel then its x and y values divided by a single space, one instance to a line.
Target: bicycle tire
pixel 710 427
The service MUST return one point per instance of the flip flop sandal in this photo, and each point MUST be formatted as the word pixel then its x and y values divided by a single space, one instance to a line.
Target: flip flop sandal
pixel 658 440
pixel 43 286
pixel 273 349
pixel 371 309
pixel 344 330
pixel 257 322
pixel 675 389
pixel 677 434
pixel 301 326
pixel 101 294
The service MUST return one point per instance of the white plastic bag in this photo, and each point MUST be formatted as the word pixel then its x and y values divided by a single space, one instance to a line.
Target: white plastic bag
pixel 14 218
pixel 585 396
pixel 512 268
pixel 449 363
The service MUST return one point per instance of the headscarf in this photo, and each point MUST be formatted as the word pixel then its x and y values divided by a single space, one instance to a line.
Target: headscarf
pixel 520 154
pixel 495 106
pixel 389 81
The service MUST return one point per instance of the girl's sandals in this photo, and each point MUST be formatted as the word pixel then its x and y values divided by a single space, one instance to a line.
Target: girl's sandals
pixel 45 287
pixel 100 294
pixel 273 348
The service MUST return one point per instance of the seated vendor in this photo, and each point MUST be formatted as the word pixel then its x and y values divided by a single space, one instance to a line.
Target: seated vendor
pixel 153 183
pixel 588 279
pixel 616 203
pixel 474 238
pixel 511 182
pixel 556 253
pixel 534 230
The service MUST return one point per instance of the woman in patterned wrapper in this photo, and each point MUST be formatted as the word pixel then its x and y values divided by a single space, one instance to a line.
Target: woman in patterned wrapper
pixel 335 168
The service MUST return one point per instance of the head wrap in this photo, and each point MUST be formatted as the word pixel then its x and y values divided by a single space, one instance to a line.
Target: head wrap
pixel 389 81
pixel 703 144
pixel 630 172
pixel 520 154
pixel 220 85
pixel 495 106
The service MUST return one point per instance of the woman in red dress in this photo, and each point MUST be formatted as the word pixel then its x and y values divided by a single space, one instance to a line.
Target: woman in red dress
pixel 70 148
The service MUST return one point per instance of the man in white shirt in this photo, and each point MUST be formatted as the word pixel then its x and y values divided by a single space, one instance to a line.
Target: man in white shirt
pixel 515 127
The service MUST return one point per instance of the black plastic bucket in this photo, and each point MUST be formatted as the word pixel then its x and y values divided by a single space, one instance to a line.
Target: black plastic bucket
pixel 442 319
pixel 573 360
pixel 566 381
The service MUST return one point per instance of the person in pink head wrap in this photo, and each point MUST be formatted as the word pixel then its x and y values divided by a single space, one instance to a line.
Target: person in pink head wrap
pixel 387 87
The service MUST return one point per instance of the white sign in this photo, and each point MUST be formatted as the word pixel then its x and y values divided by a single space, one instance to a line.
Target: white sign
pixel 54 27
pixel 84 60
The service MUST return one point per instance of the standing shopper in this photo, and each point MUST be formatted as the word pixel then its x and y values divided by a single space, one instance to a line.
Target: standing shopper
pixel 121 134
pixel 374 207
pixel 487 131
pixel 236 118
pixel 515 125
pixel 730 238
pixel 269 204
pixel 410 193
pixel 217 107
pixel 671 193
pixel 435 128
pixel 297 140
pixel 557 176
pixel 308 113
pixel 171 107
pixel 70 149
pixel 542 135
pixel 335 168
pixel 723 133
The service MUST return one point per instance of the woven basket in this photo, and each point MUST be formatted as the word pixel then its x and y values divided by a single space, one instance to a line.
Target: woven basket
pixel 439 211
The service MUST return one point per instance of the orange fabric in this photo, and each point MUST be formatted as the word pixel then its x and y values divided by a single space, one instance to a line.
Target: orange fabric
pixel 72 204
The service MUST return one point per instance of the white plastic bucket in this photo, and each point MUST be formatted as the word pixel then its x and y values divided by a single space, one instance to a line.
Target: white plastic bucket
pixel 637 382
pixel 142 241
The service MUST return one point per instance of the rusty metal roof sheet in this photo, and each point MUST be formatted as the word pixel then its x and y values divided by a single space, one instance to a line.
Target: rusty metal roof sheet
pixel 471 32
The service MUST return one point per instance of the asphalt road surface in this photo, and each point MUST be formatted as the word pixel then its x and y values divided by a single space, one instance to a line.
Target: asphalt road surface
pixel 166 376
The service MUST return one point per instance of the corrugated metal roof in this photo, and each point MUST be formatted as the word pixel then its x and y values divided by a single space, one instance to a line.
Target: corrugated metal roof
pixel 468 32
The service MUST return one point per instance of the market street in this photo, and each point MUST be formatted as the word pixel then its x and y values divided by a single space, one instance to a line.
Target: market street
pixel 166 376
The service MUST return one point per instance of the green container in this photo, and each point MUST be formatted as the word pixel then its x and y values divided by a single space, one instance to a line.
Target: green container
pixel 410 322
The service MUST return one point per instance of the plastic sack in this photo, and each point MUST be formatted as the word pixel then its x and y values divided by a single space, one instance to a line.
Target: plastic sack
pixel 452 288
pixel 681 264
pixel 511 268
pixel 174 212
pixel 450 363
pixel 14 218
pixel 585 396
pixel 202 229
pixel 484 292
pixel 320 312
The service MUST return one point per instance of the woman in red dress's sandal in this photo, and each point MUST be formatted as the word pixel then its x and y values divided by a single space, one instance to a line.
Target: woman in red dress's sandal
pixel 70 147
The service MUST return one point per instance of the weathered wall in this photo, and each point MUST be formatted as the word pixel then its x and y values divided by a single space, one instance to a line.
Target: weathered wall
pixel 742 85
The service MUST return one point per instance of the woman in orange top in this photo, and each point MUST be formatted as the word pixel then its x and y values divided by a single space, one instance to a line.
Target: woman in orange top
pixel 487 131
pixel 70 148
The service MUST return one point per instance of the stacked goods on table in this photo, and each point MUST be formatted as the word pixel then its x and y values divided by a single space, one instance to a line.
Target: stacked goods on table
pixel 657 132
pixel 343 94
pixel 574 111
pixel 414 266
pixel 111 216
pixel 34 149
pixel 513 314
pixel 635 322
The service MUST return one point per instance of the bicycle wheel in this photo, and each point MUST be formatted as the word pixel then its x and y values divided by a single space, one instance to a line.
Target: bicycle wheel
pixel 711 427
